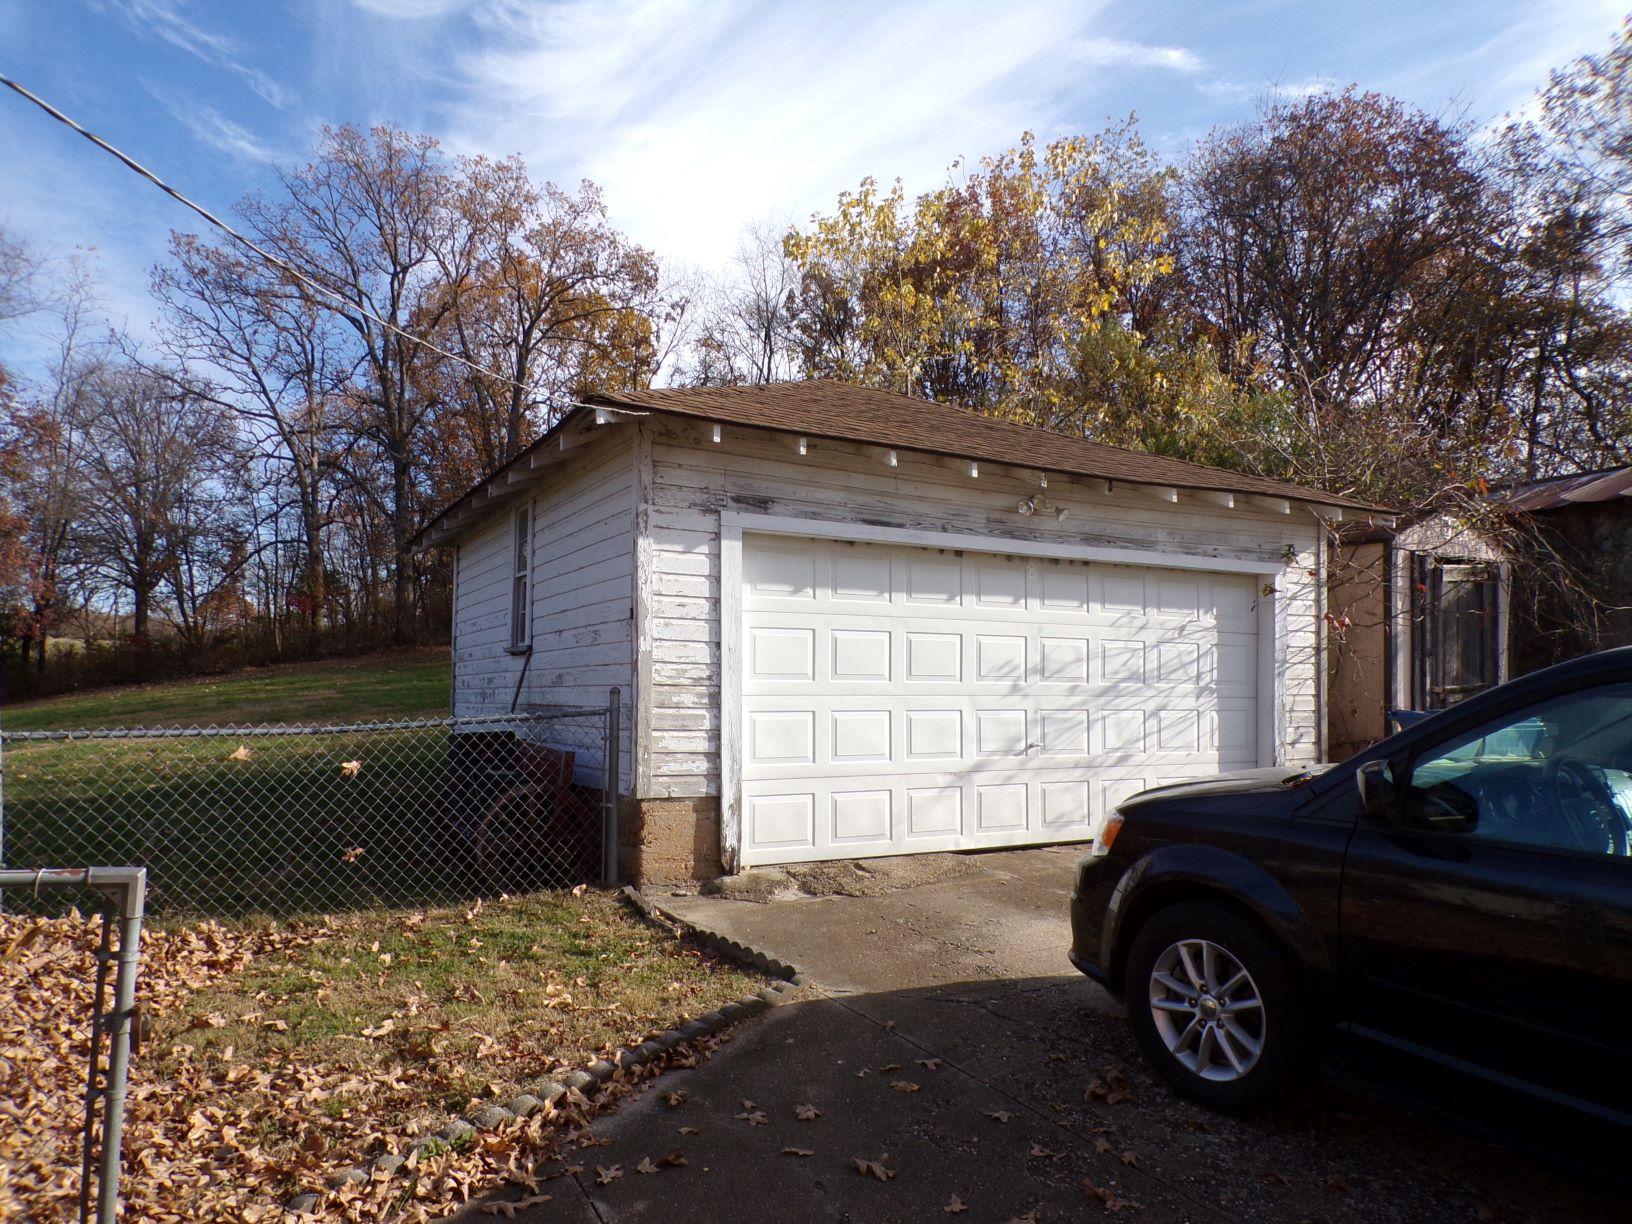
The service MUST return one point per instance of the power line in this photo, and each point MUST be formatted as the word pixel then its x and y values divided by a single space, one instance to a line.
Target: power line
pixel 276 261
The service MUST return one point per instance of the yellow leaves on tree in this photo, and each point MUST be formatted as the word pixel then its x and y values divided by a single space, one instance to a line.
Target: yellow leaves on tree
pixel 975 293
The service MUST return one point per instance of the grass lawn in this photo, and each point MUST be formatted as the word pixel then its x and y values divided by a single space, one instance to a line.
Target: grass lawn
pixel 292 824
pixel 274 825
pixel 276 1056
pixel 390 685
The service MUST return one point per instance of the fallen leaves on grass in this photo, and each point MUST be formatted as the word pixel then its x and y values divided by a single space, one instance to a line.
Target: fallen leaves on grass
pixel 46 978
pixel 232 1110
pixel 350 769
pixel 241 753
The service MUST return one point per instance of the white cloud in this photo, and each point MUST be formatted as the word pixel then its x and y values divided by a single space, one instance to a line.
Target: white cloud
pixel 211 128
pixel 168 20
pixel 75 202
pixel 1241 91
pixel 1118 53
pixel 696 117
pixel 412 10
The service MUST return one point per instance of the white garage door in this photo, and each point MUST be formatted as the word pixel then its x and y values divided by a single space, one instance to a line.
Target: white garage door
pixel 897 700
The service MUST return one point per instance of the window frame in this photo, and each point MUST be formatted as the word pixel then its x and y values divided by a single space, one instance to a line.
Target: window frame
pixel 521 579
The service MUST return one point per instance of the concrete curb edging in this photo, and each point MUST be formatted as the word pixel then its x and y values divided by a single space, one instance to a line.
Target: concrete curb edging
pixel 792 976
pixel 545 1093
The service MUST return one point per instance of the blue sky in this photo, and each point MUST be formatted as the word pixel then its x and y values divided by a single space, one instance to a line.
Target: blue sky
pixel 695 118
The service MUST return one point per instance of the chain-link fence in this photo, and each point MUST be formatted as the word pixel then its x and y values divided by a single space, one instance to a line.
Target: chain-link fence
pixel 286 820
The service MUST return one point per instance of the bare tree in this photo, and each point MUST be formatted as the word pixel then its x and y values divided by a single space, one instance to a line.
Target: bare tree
pixel 745 333
pixel 45 429
pixel 19 277
pixel 366 220
pixel 151 451
pixel 281 365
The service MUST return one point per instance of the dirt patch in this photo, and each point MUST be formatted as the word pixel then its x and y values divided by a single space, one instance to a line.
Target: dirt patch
pixel 873 877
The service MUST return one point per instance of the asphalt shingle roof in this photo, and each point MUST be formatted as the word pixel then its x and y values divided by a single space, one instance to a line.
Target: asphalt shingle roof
pixel 820 408
pixel 838 411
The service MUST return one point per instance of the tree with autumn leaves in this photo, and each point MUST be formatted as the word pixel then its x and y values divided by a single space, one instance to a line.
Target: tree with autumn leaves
pixel 1343 291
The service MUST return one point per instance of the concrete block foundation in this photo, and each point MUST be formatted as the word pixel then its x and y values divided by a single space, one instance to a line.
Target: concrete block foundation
pixel 668 841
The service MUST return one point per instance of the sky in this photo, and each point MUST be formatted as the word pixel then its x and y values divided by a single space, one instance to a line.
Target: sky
pixel 696 119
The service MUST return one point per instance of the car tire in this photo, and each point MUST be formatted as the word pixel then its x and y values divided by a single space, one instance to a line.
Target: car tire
pixel 1252 1053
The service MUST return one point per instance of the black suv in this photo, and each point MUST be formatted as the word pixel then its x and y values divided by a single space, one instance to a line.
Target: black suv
pixel 1461 891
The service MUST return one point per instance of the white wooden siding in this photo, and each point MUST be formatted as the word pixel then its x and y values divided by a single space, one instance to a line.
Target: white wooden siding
pixel 693 480
pixel 583 579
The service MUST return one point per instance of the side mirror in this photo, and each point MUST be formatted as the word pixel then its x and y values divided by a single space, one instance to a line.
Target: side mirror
pixel 1378 794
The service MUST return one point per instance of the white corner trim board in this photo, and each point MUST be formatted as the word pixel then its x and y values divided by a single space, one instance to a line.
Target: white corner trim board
pixel 831 764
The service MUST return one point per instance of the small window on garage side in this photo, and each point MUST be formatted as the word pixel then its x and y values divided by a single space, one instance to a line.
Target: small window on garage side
pixel 520 590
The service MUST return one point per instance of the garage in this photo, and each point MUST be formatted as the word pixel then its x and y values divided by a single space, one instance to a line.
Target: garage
pixel 843 623
pixel 898 700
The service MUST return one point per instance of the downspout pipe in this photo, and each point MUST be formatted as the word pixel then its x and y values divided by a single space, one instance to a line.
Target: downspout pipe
pixel 521 678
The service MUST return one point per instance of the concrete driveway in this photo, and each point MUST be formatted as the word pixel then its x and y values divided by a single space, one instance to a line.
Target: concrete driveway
pixel 951 1047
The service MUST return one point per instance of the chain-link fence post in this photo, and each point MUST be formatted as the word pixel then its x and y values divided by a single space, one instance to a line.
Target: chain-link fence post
pixel 132 890
pixel 610 770
pixel 128 888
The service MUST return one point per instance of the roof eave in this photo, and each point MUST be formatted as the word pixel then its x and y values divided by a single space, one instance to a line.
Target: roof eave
pixel 1294 494
pixel 529 466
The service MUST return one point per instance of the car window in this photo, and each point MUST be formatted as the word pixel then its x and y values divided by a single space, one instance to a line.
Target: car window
pixel 1557 775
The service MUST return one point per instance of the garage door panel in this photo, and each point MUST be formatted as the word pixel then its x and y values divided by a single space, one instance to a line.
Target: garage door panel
pixel 897 699
pixel 861 817
pixel 780 572
pixel 860 576
pixel 861 656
